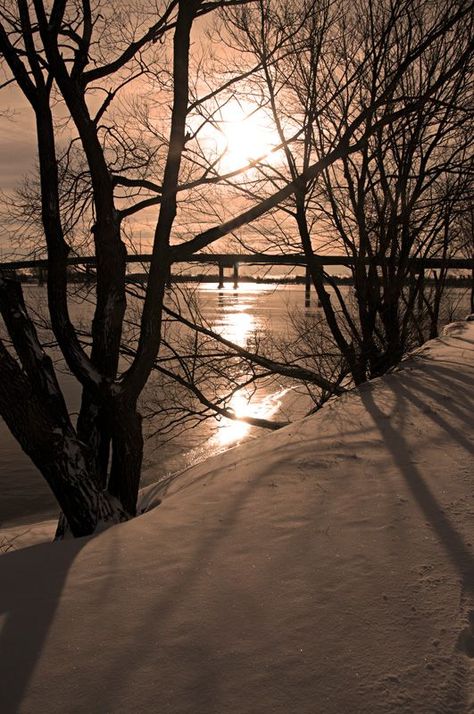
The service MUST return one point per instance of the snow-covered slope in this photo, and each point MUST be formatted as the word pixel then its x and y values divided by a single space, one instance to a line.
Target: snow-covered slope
pixel 326 568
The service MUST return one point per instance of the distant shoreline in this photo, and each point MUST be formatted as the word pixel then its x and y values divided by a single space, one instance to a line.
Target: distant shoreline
pixel 80 277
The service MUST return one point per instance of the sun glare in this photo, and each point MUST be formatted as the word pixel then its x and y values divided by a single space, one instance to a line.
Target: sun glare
pixel 244 136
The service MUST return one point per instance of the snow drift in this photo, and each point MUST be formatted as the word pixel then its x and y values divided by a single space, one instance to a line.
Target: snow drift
pixel 325 568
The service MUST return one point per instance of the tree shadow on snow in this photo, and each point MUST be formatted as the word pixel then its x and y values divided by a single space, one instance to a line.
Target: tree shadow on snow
pixel 25 621
pixel 442 403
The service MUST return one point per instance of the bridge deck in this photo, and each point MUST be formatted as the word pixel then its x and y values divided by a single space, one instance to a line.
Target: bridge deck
pixel 228 260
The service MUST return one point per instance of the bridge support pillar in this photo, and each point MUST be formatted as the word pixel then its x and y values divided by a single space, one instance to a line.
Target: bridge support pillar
pixel 221 276
pixel 236 276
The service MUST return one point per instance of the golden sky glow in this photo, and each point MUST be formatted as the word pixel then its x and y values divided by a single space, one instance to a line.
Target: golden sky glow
pixel 242 134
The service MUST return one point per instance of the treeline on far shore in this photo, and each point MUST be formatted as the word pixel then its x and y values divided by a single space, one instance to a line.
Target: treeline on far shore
pixel 80 276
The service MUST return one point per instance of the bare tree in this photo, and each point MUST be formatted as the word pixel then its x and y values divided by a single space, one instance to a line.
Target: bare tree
pixel 63 54
pixel 465 233
pixel 66 55
pixel 391 197
pixel 392 204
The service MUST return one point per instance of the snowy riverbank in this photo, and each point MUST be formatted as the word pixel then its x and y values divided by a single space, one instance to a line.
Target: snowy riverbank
pixel 325 568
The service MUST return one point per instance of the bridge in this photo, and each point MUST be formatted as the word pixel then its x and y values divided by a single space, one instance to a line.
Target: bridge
pixel 232 261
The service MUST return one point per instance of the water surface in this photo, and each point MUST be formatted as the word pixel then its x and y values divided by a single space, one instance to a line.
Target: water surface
pixel 237 314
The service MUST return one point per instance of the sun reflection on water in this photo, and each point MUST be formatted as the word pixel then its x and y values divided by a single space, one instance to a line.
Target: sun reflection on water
pixel 231 431
pixel 236 326
pixel 236 321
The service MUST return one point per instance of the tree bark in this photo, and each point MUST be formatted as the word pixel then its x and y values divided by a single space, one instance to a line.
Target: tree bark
pixel 48 438
pixel 127 454
pixel 33 407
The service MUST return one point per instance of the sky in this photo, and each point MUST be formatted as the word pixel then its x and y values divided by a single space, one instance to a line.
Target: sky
pixel 17 139
pixel 18 149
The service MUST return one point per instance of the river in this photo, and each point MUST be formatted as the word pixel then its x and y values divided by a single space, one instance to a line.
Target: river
pixel 237 314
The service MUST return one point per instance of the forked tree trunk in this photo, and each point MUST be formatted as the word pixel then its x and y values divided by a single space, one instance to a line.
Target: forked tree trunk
pixel 33 407
pixel 49 439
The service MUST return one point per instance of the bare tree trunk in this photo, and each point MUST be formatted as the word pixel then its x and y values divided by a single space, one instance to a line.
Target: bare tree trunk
pixel 33 407
pixel 127 441
pixel 49 439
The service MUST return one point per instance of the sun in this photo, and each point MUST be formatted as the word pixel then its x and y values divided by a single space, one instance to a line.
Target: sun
pixel 245 135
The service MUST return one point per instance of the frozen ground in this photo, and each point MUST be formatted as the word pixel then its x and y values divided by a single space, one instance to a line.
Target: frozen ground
pixel 327 568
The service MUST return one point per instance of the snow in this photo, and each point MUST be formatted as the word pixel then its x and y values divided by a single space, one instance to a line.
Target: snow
pixel 324 568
